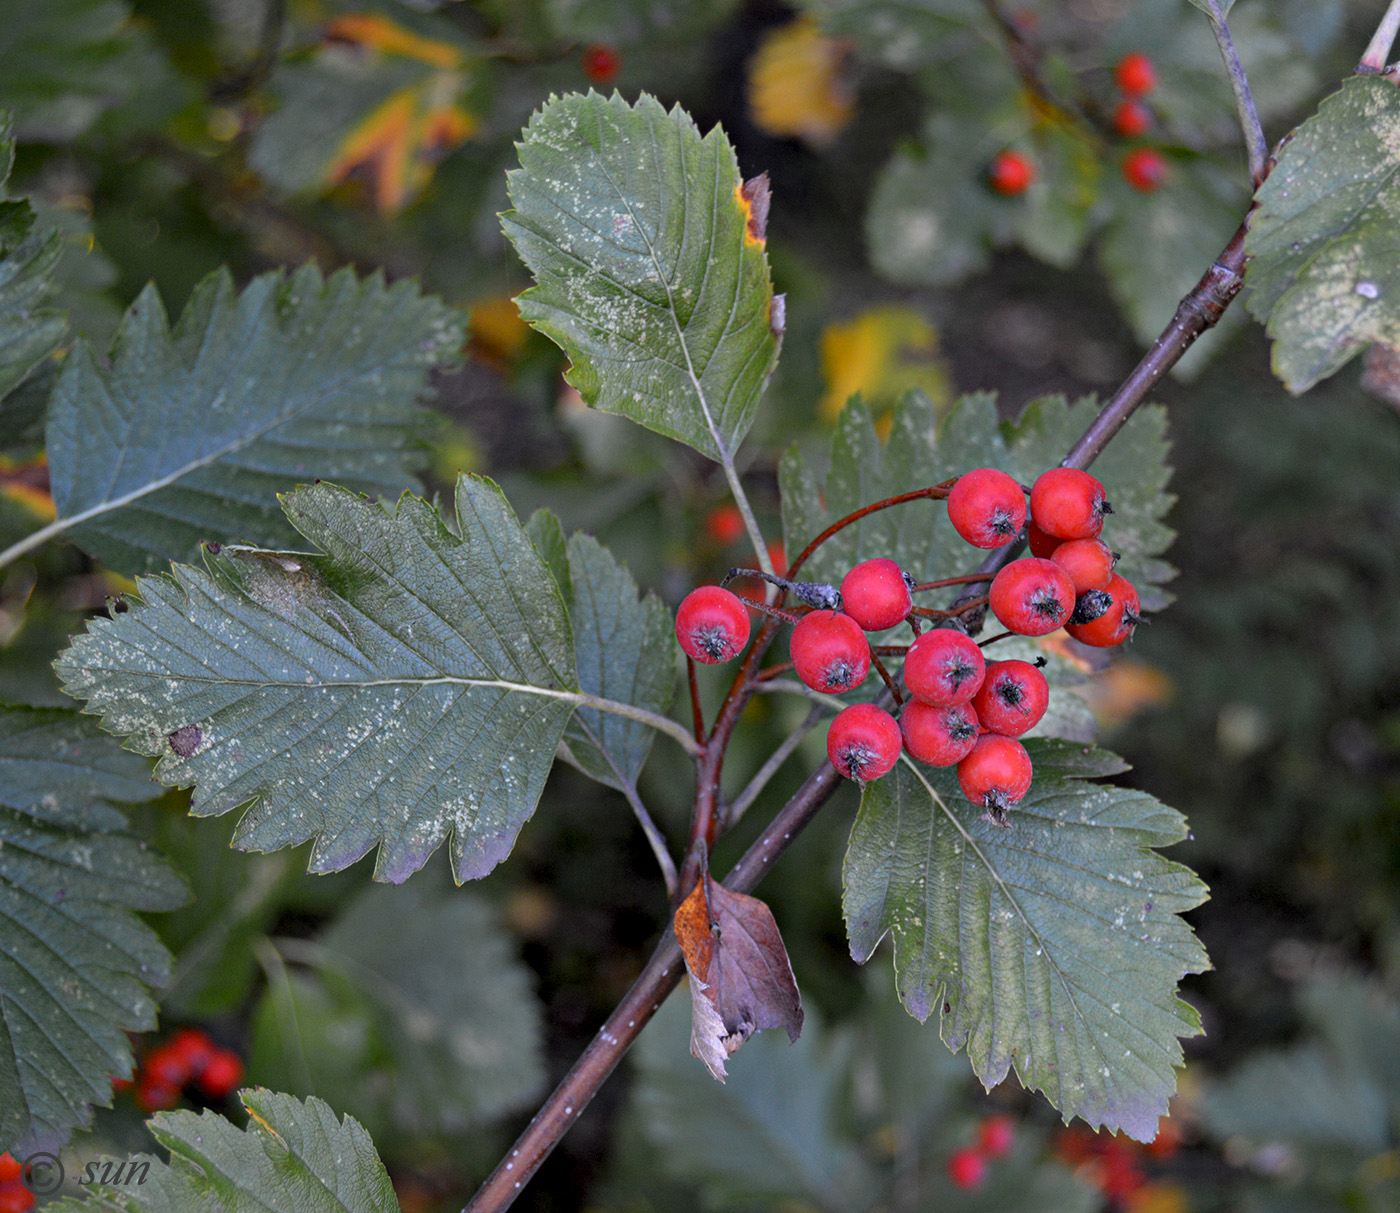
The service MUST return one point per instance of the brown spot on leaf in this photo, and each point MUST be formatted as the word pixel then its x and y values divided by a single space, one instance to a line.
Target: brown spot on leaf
pixel 185 740
pixel 777 316
pixel 754 198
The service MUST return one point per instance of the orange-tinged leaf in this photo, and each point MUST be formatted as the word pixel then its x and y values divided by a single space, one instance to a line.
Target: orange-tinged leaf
pixel 28 485
pixel 1125 689
pixel 498 334
pixel 882 353
pixel 373 30
pixel 754 198
pixel 797 84
pixel 740 978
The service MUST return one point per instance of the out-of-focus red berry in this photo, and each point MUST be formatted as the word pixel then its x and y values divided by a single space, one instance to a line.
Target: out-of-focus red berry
pixel 1010 174
pixel 1135 75
pixel 1132 118
pixel 194 1047
pixel 967 1168
pixel 222 1075
pixel 1145 168
pixel 156 1096
pixel 15 1198
pixel 724 524
pixel 996 1135
pixel 601 63
pixel 9 1168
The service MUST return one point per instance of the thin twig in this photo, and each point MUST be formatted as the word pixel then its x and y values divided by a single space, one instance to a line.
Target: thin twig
pixel 885 676
pixel 936 492
pixel 740 803
pixel 1254 143
pixel 944 582
pixel 1378 51
pixel 697 715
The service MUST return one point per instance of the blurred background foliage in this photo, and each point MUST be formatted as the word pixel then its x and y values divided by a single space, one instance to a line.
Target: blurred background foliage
pixel 163 138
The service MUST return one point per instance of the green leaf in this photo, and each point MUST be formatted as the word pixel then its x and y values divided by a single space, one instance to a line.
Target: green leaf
pixel 29 332
pixel 625 650
pixel 76 965
pixel 635 230
pixel 1322 242
pixel 405 685
pixel 445 1046
pixel 293 1156
pixel 1054 947
pixel 627 22
pixel 190 433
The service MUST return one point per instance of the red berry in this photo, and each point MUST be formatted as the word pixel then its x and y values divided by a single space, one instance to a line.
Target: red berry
pixel 712 624
pixel 1039 542
pixel 1010 174
pixel 724 524
pixel 967 1168
pixel 876 594
pixel 1131 118
pixel 194 1047
pixel 1012 698
pixel 944 667
pixel 996 774
pixel 1145 168
pixel 9 1168
pixel 1135 74
pixel 15 1198
pixel 222 1074
pixel 1032 597
pixel 601 63
pixel 1117 623
pixel 987 508
pixel 1068 503
pixel 1089 563
pixel 156 1096
pixel 829 651
pixel 996 1136
pixel 941 737
pixel 166 1066
pixel 863 742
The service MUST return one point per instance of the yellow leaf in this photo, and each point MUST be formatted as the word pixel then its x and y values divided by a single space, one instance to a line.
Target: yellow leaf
pixel 27 484
pixel 497 332
pixel 1158 1198
pixel 372 30
pixel 882 353
pixel 1124 689
pixel 797 83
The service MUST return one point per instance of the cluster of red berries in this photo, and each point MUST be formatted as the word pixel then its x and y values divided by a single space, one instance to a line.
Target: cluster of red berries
pixel 967 1167
pixel 1011 173
pixel 1113 1164
pixel 14 1196
pixel 963 711
pixel 188 1057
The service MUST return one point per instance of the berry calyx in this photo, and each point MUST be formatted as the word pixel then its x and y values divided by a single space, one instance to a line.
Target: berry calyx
pixel 829 652
pixel 1010 174
pixel 1132 118
pixel 1012 698
pixel 1068 503
pixel 1089 563
pixel 996 775
pixel 940 737
pixel 967 1168
pixel 1032 597
pixel 601 63
pixel 1145 168
pixel 996 1136
pixel 1118 621
pixel 712 624
pixel 221 1075
pixel 876 594
pixel 863 742
pixel 1089 606
pixel 944 667
pixel 987 507
pixel 1135 75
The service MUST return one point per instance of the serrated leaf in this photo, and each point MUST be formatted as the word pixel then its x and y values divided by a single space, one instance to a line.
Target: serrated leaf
pixel 190 433
pixel 1322 242
pixel 76 965
pixel 29 332
pixel 650 275
pixel 624 650
pixel 446 1046
pixel 293 1155
pixel 407 684
pixel 1053 948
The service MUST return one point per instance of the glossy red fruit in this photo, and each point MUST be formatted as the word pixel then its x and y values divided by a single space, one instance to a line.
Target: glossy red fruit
pixel 1032 597
pixel 996 774
pixel 1132 118
pixel 996 1136
pixel 1089 563
pixel 1039 542
pixel 222 1075
pixel 944 667
pixel 1010 174
pixel 829 651
pixel 987 507
pixel 1068 503
pixel 601 64
pixel 967 1168
pixel 1012 698
pixel 1135 75
pixel 941 737
pixel 1145 168
pixel 1117 623
pixel 876 594
pixel 712 624
pixel 863 742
